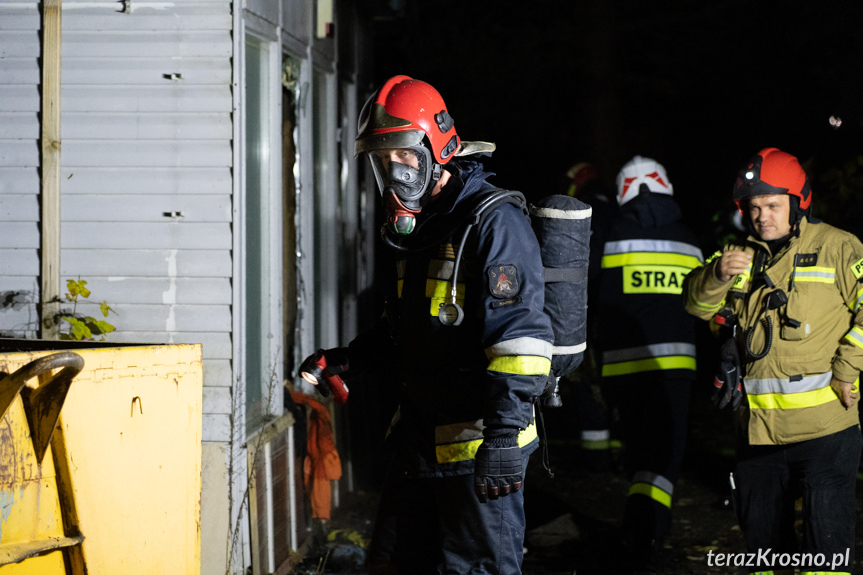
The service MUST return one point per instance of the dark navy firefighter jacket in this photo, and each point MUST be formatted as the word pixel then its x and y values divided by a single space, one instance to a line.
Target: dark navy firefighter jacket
pixel 454 380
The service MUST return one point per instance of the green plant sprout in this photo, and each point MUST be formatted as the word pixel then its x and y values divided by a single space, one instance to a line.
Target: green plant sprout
pixel 83 327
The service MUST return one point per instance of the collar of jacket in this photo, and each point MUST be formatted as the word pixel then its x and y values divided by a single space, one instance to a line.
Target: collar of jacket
pixel 651 210
pixel 467 178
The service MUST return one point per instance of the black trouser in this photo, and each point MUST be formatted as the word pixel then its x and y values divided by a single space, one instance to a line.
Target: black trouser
pixel 437 526
pixel 822 472
pixel 654 411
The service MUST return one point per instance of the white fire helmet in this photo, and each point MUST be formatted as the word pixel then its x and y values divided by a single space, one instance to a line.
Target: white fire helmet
pixel 638 172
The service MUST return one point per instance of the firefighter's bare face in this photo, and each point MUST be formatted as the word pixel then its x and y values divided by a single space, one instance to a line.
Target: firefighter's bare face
pixel 770 216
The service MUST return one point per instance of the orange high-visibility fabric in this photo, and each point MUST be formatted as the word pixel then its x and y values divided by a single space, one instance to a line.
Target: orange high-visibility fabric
pixel 322 464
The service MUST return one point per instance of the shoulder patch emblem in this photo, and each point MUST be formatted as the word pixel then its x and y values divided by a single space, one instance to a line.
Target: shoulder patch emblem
pixel 857 269
pixel 503 281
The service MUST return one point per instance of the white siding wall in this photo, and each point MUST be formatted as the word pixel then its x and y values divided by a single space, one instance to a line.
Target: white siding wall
pixel 147 175
pixel 20 77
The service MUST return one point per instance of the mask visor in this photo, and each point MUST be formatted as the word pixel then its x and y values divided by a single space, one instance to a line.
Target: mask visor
pixel 406 172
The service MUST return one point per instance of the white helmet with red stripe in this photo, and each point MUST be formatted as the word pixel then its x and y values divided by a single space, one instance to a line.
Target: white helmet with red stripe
pixel 640 172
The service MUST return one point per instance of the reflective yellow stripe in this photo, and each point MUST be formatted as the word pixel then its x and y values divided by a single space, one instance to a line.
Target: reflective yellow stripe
pixel 855 336
pixel 712 308
pixel 792 400
pixel 712 257
pixel 859 301
pixel 651 491
pixel 439 292
pixel 399 285
pixel 520 364
pixel 527 435
pixel 649 364
pixel 650 258
pixel 466 450
pixel 815 275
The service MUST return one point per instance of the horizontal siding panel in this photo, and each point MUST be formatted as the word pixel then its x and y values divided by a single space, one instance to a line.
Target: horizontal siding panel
pixel 18 262
pixel 168 318
pixel 171 97
pixel 152 153
pixel 26 288
pixel 19 322
pixel 146 126
pixel 18 208
pixel 19 98
pixel 140 71
pixel 133 44
pixel 183 16
pixel 18 43
pixel 19 180
pixel 156 263
pixel 19 235
pixel 19 295
pixel 19 314
pixel 19 70
pixel 144 208
pixel 192 236
pixel 215 345
pixel 18 17
pixel 217 373
pixel 217 399
pixel 216 427
pixel 19 153
pixel 180 290
pixel 14 126
pixel 174 180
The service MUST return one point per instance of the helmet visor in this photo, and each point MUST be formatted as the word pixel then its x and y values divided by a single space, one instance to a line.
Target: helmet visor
pixel 406 172
pixel 389 140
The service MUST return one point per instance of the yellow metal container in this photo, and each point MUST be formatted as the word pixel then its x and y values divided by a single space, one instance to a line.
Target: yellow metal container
pixel 118 486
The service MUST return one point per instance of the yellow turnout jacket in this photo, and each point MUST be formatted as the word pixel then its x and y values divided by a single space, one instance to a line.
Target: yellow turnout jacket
pixel 816 335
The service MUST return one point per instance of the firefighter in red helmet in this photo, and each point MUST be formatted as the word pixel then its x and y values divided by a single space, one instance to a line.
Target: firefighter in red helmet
pixel 470 344
pixel 792 296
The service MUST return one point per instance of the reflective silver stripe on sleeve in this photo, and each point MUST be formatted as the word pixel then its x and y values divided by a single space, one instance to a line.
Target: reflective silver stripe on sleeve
pixel 520 346
pixel 653 350
pixel 569 349
pixel 778 385
pixel 556 214
pixel 662 246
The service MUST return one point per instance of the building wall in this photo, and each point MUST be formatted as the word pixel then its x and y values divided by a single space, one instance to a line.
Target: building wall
pixel 153 204
pixel 20 78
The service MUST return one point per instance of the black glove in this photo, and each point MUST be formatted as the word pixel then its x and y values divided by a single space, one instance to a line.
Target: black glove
pixel 728 383
pixel 323 369
pixel 497 467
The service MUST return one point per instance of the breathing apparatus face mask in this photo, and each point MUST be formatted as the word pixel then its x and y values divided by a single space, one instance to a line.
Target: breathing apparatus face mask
pixel 405 176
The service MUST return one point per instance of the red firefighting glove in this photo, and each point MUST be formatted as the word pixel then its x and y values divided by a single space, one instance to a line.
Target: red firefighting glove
pixel 323 369
pixel 728 383
pixel 497 467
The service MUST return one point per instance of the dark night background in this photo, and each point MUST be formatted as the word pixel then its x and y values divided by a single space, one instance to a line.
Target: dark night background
pixel 698 86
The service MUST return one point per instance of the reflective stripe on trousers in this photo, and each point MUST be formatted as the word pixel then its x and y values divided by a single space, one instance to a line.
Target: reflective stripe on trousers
pixel 652 485
pixel 658 356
